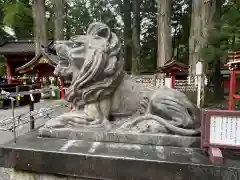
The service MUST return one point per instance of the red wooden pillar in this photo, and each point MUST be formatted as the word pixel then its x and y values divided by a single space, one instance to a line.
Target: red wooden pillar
pixel 9 71
pixel 38 82
pixel 172 76
pixel 62 91
pixel 232 89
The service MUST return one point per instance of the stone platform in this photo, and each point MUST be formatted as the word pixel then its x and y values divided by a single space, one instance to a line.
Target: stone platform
pixel 101 135
pixel 113 161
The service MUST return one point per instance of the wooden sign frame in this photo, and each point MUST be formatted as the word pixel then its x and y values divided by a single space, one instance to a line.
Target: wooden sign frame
pixel 214 149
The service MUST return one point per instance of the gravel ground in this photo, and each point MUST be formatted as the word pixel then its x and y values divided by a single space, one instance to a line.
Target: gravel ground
pixel 6 136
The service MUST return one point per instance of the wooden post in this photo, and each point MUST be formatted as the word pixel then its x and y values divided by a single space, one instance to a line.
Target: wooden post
pixel 9 71
pixel 17 101
pixel 232 90
pixel 172 76
pixel 199 89
pixel 155 80
pixel 38 82
pixel 203 90
pixel 199 73
pixel 62 91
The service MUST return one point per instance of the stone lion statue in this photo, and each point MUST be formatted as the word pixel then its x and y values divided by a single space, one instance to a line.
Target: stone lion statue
pixel 104 95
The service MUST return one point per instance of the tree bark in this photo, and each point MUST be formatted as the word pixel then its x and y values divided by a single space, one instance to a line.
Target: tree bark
pixel 203 13
pixel 59 19
pixel 127 34
pixel 164 32
pixel 217 77
pixel 40 27
pixel 136 37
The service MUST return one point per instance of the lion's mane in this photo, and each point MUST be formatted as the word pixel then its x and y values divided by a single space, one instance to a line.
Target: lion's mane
pixel 102 70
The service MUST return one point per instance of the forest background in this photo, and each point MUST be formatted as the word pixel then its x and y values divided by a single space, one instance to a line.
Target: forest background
pixel 152 31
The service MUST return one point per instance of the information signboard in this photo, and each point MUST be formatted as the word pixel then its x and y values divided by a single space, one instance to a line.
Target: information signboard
pixel 220 130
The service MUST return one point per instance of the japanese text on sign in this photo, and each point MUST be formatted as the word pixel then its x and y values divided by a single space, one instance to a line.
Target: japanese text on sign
pixel 225 130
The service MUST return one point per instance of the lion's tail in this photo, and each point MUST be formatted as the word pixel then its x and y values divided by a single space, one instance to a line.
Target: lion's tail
pixel 169 126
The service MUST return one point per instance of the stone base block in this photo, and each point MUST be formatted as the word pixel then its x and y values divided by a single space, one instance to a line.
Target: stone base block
pixel 121 137
pixel 79 159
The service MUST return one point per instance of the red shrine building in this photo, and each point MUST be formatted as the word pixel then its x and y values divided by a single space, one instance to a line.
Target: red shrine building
pixel 174 69
pixel 41 65
pixel 20 59
pixel 16 53
pixel 234 88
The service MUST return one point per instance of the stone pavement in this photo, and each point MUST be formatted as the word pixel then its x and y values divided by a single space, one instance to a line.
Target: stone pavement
pixel 6 136
pixel 9 174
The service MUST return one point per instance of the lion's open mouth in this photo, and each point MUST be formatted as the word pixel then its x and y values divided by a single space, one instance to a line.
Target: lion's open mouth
pixel 64 62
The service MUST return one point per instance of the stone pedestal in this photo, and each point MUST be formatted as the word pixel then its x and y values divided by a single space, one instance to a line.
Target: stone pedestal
pixel 101 135
pixel 32 157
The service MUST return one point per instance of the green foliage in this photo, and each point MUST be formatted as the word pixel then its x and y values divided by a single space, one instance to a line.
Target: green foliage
pixel 181 21
pixel 149 36
pixel 82 12
pixel 2 66
pixel 3 35
pixel 225 36
pixel 50 19
pixel 78 17
pixel 79 13
pixel 18 16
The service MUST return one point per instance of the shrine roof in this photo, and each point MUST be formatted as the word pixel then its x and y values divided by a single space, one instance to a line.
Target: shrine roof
pixel 173 65
pixel 17 47
pixel 46 53
pixel 35 61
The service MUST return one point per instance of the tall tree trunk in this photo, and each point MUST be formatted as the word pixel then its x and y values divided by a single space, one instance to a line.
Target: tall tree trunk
pixel 40 27
pixel 127 34
pixel 217 77
pixel 203 13
pixel 67 22
pixel 59 19
pixel 164 32
pixel 136 37
pixel 174 42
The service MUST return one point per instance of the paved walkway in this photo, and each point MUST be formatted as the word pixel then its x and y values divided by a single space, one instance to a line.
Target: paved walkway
pixel 4 114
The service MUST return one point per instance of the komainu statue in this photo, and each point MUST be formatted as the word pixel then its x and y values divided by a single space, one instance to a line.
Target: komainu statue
pixel 104 96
